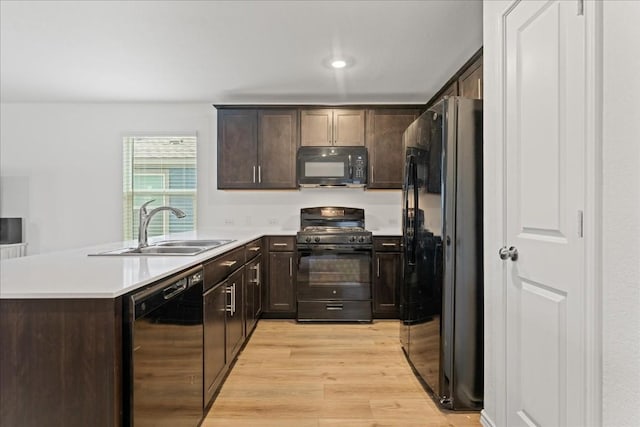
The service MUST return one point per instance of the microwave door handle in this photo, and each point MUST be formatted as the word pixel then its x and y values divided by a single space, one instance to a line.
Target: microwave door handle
pixel 350 168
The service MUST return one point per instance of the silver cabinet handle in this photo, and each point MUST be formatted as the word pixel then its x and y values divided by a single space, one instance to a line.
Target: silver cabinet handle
pixel 256 268
pixel 290 267
pixel 254 248
pixel 334 307
pixel 228 263
pixel 378 267
pixel 390 244
pixel 259 174
pixel 233 299
pixel 254 174
pixel 279 244
pixel 229 291
pixel 505 253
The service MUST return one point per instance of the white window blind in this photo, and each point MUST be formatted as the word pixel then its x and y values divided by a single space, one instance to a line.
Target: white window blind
pixel 161 168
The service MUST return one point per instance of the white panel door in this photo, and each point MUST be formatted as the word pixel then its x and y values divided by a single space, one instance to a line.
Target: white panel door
pixel 545 136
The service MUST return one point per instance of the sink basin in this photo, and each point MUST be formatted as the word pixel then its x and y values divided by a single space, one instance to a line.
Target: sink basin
pixel 179 250
pixel 202 243
pixel 169 248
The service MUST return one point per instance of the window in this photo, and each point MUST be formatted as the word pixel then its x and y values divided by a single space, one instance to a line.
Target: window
pixel 160 168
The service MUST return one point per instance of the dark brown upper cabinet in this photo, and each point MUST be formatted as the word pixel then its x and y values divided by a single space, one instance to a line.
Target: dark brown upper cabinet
pixel 470 82
pixel 384 143
pixel 257 148
pixel 467 81
pixel 332 126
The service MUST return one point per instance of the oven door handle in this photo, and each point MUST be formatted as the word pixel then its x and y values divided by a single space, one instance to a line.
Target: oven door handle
pixel 310 251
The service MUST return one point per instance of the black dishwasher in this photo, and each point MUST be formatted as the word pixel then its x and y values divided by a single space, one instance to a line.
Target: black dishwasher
pixel 164 363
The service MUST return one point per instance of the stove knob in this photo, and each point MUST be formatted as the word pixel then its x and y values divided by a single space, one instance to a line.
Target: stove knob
pixel 307 239
pixel 361 239
pixel 352 238
pixel 317 239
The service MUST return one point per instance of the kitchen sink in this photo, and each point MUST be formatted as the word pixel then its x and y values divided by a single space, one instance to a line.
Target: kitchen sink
pixel 203 243
pixel 169 248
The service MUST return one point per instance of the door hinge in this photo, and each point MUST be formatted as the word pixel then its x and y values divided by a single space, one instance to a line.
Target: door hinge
pixel 580 224
pixel 580 7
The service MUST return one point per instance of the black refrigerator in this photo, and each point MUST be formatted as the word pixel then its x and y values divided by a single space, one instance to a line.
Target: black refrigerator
pixel 441 298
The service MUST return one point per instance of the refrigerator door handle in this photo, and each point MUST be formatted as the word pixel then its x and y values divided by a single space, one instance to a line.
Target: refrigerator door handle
pixel 416 210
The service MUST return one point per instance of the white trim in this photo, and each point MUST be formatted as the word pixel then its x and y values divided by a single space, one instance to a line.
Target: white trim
pixel 485 420
pixel 494 233
pixel 593 13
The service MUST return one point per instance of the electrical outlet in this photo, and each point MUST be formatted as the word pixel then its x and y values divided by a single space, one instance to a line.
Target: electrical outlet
pixel 228 221
pixel 273 221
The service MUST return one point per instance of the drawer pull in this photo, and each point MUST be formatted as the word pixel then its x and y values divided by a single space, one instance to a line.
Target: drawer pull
pixel 254 248
pixel 228 263
pixel 335 307
pixel 279 244
pixel 390 244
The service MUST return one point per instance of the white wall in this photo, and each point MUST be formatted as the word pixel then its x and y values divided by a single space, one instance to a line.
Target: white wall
pixel 61 169
pixel 621 214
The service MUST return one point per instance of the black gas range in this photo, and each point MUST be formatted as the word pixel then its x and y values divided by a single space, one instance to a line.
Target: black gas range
pixel 333 226
pixel 334 265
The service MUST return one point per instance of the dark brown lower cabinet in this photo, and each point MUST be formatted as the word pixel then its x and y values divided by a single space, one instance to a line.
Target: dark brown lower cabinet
pixel 253 288
pixel 235 313
pixel 282 289
pixel 61 362
pixel 387 277
pixel 214 301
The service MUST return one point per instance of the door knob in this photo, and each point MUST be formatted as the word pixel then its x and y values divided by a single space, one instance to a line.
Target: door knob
pixel 505 253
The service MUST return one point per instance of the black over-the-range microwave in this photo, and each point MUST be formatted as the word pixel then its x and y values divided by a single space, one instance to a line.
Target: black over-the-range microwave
pixel 332 166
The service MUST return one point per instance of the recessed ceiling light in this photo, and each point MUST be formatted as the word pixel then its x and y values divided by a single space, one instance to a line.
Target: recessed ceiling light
pixel 338 63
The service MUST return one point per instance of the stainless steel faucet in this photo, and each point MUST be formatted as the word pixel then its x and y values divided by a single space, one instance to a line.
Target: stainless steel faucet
pixel 145 218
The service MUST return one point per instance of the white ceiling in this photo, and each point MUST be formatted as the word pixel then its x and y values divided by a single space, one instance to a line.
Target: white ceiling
pixel 233 51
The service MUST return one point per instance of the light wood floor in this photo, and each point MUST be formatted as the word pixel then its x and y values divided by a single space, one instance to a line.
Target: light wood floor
pixel 321 375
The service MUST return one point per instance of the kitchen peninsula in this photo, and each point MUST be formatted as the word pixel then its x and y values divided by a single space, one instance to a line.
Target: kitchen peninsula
pixel 61 326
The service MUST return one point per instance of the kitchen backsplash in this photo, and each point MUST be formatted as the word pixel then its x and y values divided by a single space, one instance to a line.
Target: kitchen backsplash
pixel 282 208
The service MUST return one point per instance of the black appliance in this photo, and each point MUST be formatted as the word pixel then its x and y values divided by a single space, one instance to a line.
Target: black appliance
pixel 10 230
pixel 164 367
pixel 441 301
pixel 332 166
pixel 334 265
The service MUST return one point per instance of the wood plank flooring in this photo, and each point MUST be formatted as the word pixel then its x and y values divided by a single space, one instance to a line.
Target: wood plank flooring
pixel 322 375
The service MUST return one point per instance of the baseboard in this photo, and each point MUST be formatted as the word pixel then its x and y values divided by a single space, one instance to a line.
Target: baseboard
pixel 485 420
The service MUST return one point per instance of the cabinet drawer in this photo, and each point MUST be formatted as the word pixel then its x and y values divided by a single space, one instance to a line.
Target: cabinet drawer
pixel 281 243
pixel 253 249
pixel 387 243
pixel 334 310
pixel 352 291
pixel 221 267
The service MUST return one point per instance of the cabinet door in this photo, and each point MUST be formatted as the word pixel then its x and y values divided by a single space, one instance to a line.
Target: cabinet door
pixel 253 297
pixel 316 127
pixel 237 149
pixel 470 82
pixel 282 295
pixel 386 283
pixel 235 313
pixel 384 143
pixel 452 90
pixel 214 341
pixel 348 127
pixel 277 144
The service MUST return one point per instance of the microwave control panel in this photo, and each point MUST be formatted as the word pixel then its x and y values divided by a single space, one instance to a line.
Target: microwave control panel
pixel 359 168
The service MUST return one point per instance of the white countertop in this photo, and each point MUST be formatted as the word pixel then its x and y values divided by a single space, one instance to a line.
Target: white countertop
pixel 74 274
